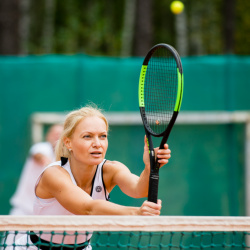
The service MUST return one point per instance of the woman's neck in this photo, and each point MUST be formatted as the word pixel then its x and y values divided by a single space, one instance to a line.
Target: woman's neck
pixel 83 174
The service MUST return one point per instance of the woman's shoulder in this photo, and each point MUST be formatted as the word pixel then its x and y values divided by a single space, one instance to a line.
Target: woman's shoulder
pixel 55 171
pixel 113 166
pixel 111 169
pixel 53 179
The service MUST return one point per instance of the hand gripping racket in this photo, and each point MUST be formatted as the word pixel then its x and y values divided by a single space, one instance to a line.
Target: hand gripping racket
pixel 160 96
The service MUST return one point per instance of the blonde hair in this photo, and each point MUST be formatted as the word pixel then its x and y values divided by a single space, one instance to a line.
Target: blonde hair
pixel 70 123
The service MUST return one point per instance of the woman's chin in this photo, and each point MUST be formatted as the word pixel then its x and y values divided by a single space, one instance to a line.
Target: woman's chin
pixel 96 160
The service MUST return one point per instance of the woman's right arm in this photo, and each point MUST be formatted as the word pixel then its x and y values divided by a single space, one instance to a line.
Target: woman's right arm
pixel 56 183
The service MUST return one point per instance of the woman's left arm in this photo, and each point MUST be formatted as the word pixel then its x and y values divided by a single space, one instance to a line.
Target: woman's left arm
pixel 133 185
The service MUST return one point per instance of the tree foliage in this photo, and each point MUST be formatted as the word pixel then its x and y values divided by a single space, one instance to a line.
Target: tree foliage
pixel 96 27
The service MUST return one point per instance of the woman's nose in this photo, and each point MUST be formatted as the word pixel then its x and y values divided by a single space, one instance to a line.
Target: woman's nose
pixel 96 142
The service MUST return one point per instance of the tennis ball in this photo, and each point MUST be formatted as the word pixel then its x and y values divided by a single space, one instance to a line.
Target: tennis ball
pixel 177 7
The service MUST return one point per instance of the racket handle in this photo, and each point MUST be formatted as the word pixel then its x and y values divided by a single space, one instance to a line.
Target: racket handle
pixel 153 187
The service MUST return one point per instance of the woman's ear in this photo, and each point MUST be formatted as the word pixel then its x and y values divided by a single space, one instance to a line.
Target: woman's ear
pixel 67 142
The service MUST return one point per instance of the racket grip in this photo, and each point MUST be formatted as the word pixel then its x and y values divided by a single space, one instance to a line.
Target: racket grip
pixel 153 187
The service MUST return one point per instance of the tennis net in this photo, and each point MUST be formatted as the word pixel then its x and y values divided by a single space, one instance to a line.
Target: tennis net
pixel 124 232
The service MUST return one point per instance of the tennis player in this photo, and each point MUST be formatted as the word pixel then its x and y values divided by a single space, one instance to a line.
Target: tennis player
pixel 80 181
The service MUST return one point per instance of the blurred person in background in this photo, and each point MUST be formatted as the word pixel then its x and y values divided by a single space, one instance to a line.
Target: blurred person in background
pixel 40 155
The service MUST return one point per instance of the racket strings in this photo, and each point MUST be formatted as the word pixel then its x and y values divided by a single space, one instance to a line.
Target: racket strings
pixel 160 89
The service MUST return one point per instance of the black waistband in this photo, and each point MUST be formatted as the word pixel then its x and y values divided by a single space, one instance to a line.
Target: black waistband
pixel 46 245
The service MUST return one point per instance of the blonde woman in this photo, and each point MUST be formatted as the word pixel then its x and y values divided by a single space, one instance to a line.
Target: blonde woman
pixel 80 181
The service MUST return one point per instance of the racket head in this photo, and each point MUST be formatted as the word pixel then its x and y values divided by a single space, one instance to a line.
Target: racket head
pixel 160 88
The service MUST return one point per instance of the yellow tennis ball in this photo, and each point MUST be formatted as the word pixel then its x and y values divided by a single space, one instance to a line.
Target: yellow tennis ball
pixel 177 7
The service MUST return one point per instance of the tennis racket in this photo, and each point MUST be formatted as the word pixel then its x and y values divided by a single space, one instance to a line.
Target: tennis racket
pixel 160 97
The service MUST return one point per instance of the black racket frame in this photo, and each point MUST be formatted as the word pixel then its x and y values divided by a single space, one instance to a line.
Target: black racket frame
pixel 154 165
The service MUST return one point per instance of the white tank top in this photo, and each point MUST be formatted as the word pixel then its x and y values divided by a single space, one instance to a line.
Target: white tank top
pixel 53 207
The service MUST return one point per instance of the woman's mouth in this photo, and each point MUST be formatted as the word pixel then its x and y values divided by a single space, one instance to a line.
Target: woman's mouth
pixel 96 154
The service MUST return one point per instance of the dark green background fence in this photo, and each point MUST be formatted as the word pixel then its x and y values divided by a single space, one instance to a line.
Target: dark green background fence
pixel 205 175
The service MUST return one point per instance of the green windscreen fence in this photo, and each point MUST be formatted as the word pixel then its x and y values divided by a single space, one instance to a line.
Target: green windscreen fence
pixel 205 175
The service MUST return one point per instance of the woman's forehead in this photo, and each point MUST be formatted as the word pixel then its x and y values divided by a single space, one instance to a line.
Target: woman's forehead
pixel 94 123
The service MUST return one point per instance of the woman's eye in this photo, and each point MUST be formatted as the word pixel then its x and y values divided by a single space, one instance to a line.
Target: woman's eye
pixel 86 136
pixel 103 136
